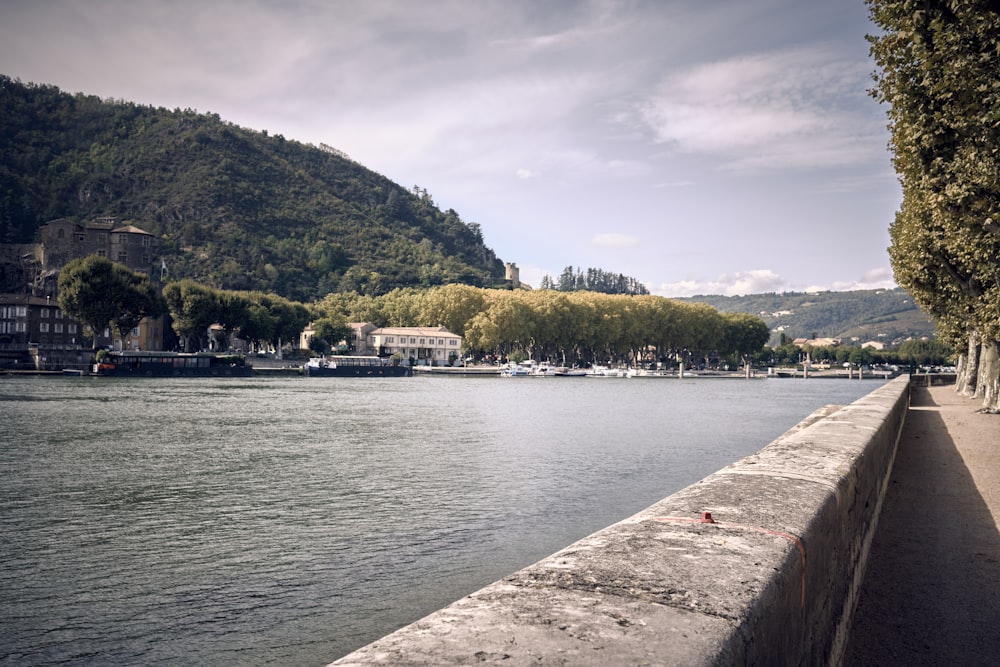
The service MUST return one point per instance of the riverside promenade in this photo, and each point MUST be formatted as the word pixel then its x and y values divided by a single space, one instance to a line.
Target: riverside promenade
pixel 931 592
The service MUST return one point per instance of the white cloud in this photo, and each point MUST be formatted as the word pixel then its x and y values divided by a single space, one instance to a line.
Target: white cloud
pixel 741 282
pixel 526 174
pixel 759 281
pixel 788 108
pixel 878 278
pixel 614 240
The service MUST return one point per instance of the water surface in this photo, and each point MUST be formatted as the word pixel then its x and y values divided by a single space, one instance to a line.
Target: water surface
pixel 288 521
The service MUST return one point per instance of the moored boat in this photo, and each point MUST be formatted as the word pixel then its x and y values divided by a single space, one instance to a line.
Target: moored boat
pixel 172 364
pixel 352 366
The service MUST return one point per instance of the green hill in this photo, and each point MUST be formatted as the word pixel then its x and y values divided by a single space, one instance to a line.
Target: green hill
pixel 888 316
pixel 233 208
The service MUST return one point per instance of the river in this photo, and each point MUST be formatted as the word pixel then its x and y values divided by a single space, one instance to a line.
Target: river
pixel 267 521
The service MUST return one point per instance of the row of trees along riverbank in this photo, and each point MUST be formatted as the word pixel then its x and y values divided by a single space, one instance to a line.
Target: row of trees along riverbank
pixel 939 77
pixel 577 327
pixel 574 328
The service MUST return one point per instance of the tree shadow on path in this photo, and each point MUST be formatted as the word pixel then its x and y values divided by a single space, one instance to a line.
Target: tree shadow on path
pixel 931 593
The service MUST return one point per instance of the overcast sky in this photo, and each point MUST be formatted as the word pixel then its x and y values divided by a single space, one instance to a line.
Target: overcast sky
pixel 700 146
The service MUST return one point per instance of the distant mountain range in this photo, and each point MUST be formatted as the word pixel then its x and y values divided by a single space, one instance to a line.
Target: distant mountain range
pixel 888 316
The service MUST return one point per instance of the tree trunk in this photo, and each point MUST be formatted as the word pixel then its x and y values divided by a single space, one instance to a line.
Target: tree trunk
pixel 968 369
pixel 988 384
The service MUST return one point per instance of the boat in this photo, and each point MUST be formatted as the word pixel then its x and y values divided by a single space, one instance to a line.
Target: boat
pixel 353 366
pixel 522 369
pixel 605 372
pixel 532 368
pixel 172 364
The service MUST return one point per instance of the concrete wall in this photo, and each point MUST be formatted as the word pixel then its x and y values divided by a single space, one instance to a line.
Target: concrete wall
pixel 770 577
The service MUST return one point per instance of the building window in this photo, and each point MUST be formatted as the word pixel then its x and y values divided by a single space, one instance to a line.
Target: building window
pixel 421 341
pixel 22 311
pixel 71 328
pixel 59 314
pixel 145 258
pixel 20 327
pixel 45 313
pixel 81 237
pixel 440 341
pixel 145 241
pixel 452 342
pixel 122 256
pixel 43 327
pixel 413 341
pixel 102 253
pixel 58 327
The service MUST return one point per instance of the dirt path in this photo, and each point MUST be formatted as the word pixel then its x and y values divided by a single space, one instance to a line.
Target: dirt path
pixel 931 595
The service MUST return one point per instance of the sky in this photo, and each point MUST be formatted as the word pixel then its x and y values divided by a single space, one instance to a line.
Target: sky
pixel 698 146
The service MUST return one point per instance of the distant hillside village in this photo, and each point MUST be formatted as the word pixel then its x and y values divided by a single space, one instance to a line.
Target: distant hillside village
pixel 35 334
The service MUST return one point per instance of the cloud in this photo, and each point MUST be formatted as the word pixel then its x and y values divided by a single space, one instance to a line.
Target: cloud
pixel 791 108
pixel 526 174
pixel 878 278
pixel 739 283
pixel 614 240
pixel 760 281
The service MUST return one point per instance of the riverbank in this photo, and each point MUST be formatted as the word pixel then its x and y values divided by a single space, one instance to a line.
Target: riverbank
pixel 931 594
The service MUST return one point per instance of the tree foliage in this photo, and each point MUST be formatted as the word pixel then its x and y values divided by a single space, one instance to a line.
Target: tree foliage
pixel 939 76
pixel 104 294
pixel 234 209
pixel 578 327
pixel 593 280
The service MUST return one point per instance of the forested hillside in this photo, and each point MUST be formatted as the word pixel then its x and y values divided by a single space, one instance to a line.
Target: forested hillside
pixel 883 315
pixel 233 208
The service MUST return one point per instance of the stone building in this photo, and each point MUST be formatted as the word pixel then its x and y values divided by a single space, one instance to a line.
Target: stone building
pixel 34 332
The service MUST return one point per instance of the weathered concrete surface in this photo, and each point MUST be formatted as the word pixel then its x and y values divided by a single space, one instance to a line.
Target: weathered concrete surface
pixel 771 581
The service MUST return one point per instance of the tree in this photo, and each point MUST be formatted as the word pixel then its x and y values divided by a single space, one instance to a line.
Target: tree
pixel 103 294
pixel 743 335
pixel 136 299
pixel 193 309
pixel 939 75
pixel 85 288
pixel 327 332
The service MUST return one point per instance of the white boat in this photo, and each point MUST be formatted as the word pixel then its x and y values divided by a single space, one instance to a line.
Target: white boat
pixel 522 369
pixel 605 372
pixel 532 368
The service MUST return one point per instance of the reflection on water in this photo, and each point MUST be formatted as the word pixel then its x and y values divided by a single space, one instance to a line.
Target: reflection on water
pixel 289 521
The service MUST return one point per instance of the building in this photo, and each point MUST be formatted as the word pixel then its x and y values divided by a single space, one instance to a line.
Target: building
pixel 34 332
pixel 422 346
pixel 64 240
pixel 430 346
pixel 512 273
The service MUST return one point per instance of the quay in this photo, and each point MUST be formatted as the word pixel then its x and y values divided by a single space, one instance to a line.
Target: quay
pixel 931 593
pixel 784 557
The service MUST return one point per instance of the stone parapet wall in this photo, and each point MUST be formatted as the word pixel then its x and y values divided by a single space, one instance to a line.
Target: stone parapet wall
pixel 759 563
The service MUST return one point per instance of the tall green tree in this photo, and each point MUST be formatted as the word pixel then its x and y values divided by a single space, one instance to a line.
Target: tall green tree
pixel 743 335
pixel 135 299
pixel 193 309
pixel 103 294
pixel 939 77
pixel 85 287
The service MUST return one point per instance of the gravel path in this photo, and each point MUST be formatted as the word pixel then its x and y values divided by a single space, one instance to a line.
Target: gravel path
pixel 931 595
